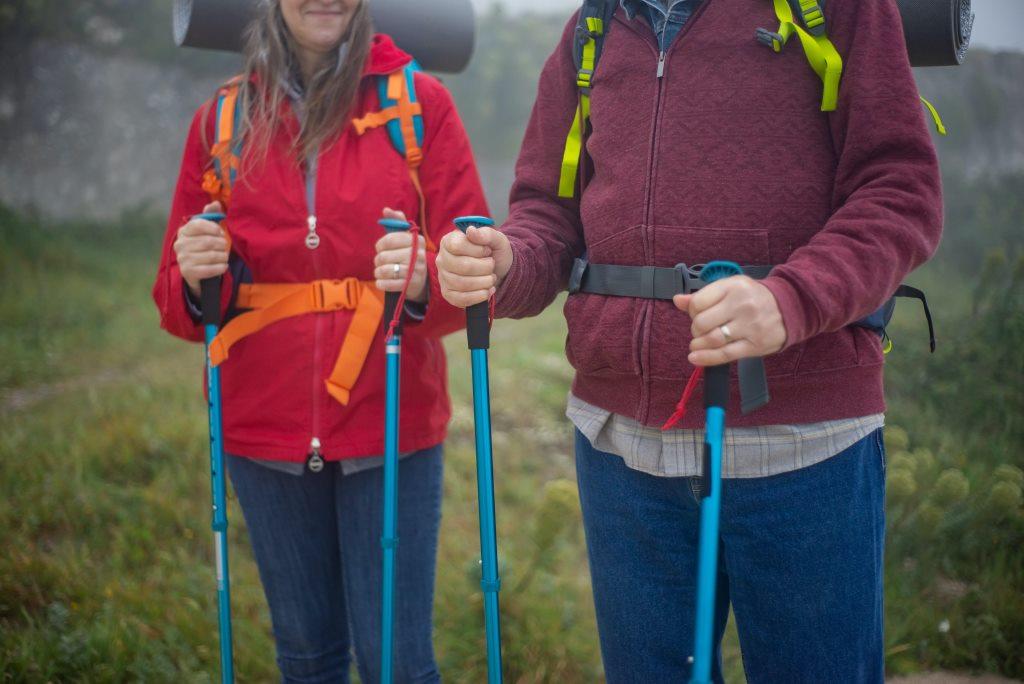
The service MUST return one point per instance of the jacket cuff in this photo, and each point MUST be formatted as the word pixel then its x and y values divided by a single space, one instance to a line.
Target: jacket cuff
pixel 515 289
pixel 415 313
pixel 791 308
pixel 192 305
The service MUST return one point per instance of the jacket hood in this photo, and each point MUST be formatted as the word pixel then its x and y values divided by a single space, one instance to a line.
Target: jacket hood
pixel 385 57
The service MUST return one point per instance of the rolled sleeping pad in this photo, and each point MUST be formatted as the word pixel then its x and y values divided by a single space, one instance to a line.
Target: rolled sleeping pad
pixel 438 33
pixel 938 32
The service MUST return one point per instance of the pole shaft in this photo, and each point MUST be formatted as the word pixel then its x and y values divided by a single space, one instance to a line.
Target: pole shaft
pixel 707 568
pixel 490 582
pixel 389 538
pixel 219 518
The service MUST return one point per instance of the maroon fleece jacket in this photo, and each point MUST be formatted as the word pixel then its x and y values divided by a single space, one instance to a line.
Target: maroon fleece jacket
pixel 728 156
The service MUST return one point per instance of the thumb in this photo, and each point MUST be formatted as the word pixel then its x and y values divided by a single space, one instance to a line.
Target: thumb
pixel 213 208
pixel 390 213
pixel 484 236
pixel 682 302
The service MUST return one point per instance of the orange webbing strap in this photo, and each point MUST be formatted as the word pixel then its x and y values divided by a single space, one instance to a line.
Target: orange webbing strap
pixel 381 118
pixel 407 109
pixel 217 180
pixel 271 303
pixel 356 346
pixel 404 111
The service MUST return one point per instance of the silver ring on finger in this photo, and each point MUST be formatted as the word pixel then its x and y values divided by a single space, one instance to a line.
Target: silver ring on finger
pixel 397 269
pixel 726 333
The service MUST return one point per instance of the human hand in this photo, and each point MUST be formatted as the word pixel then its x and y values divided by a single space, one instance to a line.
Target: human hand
pixel 471 266
pixel 732 319
pixel 201 248
pixel 392 261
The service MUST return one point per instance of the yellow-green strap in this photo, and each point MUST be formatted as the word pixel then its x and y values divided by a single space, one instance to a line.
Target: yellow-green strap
pixel 573 150
pixel 574 141
pixel 820 52
pixel 939 126
pixel 589 59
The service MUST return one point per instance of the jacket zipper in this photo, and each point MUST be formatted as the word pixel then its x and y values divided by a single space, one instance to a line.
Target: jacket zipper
pixel 315 462
pixel 649 200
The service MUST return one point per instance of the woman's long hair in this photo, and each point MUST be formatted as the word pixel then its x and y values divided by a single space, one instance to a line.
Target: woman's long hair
pixel 271 63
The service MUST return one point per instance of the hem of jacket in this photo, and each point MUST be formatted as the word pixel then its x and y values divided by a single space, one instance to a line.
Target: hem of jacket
pixel 296 451
pixel 796 399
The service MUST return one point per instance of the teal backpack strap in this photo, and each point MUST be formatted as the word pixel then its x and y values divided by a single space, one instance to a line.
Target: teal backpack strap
pixel 395 125
pixel 226 152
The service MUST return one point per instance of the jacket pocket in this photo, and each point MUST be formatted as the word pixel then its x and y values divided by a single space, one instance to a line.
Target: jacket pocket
pixel 847 348
pixel 695 245
pixel 602 331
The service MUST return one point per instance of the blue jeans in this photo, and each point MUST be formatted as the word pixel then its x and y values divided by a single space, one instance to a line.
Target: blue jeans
pixel 800 560
pixel 316 538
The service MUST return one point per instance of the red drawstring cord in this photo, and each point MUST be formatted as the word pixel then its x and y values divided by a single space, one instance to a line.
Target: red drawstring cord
pixel 691 386
pixel 400 307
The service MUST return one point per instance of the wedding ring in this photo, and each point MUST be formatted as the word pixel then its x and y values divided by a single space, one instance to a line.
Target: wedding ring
pixel 726 333
pixel 398 269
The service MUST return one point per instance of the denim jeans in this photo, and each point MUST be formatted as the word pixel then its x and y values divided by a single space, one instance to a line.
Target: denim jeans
pixel 800 561
pixel 316 538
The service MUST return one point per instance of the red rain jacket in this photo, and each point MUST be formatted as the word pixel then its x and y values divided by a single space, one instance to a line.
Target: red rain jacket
pixel 274 398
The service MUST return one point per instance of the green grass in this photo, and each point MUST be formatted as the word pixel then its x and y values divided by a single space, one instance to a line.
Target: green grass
pixel 106 574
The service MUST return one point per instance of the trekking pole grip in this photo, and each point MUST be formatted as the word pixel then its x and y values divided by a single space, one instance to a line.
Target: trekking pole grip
pixel 391 298
pixel 478 316
pixel 716 378
pixel 209 299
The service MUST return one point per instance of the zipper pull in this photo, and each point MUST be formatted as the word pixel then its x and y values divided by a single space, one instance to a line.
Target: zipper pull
pixel 315 461
pixel 661 64
pixel 312 239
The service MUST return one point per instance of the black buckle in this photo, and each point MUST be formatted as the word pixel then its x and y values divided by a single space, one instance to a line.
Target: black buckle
pixel 579 269
pixel 689 277
pixel 769 38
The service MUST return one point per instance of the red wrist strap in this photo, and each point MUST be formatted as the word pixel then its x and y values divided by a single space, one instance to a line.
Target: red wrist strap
pixel 691 386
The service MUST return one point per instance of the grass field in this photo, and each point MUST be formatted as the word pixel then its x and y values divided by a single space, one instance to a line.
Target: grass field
pixel 106 569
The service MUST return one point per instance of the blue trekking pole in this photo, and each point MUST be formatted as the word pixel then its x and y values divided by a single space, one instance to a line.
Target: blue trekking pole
pixel 210 299
pixel 478 332
pixel 716 397
pixel 389 537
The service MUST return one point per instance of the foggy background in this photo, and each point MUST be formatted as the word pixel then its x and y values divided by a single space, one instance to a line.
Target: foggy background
pixel 1000 24
pixel 105 556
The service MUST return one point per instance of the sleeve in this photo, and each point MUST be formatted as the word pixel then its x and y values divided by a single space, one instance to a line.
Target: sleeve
pixel 452 188
pixel 178 315
pixel 544 230
pixel 887 196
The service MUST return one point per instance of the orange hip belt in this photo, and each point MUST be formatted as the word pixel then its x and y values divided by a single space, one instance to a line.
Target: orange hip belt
pixel 269 303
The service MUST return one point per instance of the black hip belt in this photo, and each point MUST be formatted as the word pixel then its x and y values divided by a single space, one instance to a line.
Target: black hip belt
pixel 643 282
pixel 656 282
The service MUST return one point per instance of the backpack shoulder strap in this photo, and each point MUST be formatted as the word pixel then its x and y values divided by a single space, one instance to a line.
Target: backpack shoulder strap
pixel 399 90
pixel 402 115
pixel 226 152
pixel 812 31
pixel 592 27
